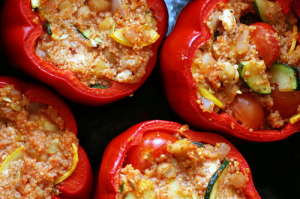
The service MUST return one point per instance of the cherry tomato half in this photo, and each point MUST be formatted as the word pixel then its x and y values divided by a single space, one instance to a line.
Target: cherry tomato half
pixel 247 111
pixel 285 102
pixel 151 146
pixel 267 44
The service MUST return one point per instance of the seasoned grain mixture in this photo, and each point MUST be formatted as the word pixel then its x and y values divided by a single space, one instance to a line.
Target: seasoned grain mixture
pixel 100 41
pixel 35 151
pixel 250 64
pixel 184 172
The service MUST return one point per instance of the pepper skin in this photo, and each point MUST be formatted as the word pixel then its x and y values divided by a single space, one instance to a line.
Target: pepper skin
pixel 177 53
pixel 288 4
pixel 79 184
pixel 21 26
pixel 117 149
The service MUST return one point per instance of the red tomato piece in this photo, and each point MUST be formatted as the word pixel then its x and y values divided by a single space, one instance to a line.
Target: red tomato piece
pixel 285 102
pixel 247 111
pixel 151 146
pixel 266 46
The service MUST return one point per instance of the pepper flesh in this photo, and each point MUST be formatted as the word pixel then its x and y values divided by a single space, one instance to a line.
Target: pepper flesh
pixel 79 184
pixel 115 153
pixel 176 58
pixel 22 26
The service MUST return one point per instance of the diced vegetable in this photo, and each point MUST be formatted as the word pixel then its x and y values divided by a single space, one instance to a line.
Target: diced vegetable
pixel 35 4
pixel 54 146
pixel 216 179
pixel 175 191
pixel 50 126
pixel 48 27
pixel 14 156
pixel 119 37
pixel 208 95
pixel 295 37
pixel 295 119
pixel 97 86
pixel 286 77
pixel 86 33
pixel 254 75
pixel 199 144
pixel 262 8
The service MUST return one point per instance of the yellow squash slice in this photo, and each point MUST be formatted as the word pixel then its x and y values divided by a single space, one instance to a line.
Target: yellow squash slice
pixel 14 156
pixel 295 119
pixel 119 37
pixel 206 94
pixel 295 36
pixel 68 173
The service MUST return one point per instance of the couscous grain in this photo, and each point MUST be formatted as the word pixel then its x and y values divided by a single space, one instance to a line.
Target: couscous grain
pixel 35 149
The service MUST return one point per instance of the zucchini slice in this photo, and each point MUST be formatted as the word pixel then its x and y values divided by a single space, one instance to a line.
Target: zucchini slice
pixel 261 8
pixel 199 144
pixel 85 33
pixel 254 75
pixel 97 86
pixel 286 77
pixel 48 28
pixel 215 180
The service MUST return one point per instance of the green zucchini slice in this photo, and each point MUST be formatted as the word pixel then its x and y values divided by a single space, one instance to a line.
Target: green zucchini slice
pixel 254 75
pixel 97 86
pixel 286 77
pixel 215 180
pixel 199 144
pixel 85 33
pixel 48 28
pixel 261 8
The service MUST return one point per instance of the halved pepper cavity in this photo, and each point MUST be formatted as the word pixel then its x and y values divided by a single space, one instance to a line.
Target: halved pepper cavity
pixel 22 27
pixel 190 33
pixel 118 152
pixel 75 183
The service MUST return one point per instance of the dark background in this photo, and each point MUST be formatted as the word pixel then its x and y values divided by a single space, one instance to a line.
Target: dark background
pixel 275 165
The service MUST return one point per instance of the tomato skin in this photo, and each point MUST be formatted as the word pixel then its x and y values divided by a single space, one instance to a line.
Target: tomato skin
pixel 151 146
pixel 247 111
pixel 267 47
pixel 285 102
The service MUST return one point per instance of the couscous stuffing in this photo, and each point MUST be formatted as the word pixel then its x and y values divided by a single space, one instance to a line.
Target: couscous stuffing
pixel 185 171
pixel 36 152
pixel 252 60
pixel 99 41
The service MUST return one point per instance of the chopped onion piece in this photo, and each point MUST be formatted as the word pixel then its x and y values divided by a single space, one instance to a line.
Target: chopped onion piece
pixel 223 150
pixel 117 5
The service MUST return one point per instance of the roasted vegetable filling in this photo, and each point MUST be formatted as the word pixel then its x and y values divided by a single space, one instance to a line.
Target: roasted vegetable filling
pixel 36 151
pixel 186 170
pixel 99 41
pixel 250 66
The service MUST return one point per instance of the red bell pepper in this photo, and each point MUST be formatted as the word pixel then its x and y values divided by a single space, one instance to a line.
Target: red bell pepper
pixel 21 26
pixel 177 53
pixel 115 153
pixel 79 184
pixel 286 6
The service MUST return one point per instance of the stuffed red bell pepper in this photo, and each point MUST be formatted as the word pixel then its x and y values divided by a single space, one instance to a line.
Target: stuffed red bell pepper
pixel 162 159
pixel 232 66
pixel 39 150
pixel 93 52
